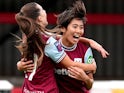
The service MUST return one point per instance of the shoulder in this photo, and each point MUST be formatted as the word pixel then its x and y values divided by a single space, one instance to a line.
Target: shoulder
pixel 54 50
pixel 84 46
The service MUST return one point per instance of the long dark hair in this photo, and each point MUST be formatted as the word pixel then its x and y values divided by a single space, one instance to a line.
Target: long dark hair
pixel 32 41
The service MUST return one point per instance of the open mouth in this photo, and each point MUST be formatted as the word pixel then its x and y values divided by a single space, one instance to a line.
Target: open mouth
pixel 76 36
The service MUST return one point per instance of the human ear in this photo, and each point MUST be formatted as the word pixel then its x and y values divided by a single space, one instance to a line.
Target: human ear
pixel 63 29
pixel 39 18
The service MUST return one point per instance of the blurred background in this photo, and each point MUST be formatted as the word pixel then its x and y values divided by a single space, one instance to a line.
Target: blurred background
pixel 105 25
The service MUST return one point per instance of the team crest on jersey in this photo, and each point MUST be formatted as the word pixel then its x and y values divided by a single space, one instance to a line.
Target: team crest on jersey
pixel 90 60
pixel 88 57
pixel 78 60
pixel 58 46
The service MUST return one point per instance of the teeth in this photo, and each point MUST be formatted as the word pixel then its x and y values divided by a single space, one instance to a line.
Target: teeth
pixel 76 36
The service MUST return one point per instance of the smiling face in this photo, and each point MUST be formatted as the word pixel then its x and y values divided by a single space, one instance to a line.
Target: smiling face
pixel 73 32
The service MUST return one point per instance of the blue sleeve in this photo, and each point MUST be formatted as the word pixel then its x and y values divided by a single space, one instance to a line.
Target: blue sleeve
pixel 54 50
pixel 88 57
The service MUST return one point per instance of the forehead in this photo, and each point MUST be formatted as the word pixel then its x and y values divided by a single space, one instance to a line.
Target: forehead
pixel 77 21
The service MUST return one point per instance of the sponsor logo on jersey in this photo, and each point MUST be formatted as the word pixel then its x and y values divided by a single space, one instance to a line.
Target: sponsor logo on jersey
pixel 61 71
pixel 64 71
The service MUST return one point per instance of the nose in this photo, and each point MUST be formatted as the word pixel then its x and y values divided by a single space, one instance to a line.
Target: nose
pixel 80 30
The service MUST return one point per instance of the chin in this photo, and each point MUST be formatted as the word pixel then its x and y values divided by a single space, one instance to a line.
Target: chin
pixel 76 41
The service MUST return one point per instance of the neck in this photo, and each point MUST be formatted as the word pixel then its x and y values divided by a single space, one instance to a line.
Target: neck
pixel 66 43
pixel 67 46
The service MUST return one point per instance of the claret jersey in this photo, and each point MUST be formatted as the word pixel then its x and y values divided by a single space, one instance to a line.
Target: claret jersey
pixel 43 79
pixel 65 83
pixel 78 53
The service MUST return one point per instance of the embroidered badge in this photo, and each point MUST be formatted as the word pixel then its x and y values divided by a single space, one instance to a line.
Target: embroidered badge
pixel 58 46
pixel 90 60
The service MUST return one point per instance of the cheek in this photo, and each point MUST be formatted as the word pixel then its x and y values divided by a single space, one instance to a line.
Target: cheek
pixel 82 32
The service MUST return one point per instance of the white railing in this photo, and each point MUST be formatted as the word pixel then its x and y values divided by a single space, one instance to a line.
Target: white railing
pixel 108 86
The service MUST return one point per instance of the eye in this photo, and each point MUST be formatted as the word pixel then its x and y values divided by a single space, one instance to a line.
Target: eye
pixel 81 27
pixel 74 26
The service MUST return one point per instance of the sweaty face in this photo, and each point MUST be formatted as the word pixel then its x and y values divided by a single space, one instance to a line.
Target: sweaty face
pixel 73 32
pixel 43 16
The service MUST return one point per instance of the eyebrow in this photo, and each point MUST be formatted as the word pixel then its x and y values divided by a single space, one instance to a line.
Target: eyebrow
pixel 77 24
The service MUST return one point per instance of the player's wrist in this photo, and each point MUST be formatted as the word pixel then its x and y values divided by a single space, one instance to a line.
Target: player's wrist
pixel 19 66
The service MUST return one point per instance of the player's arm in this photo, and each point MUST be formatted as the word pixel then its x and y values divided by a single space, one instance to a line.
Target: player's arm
pixel 95 45
pixel 79 74
pixel 89 82
pixel 90 42
pixel 58 55
pixel 67 62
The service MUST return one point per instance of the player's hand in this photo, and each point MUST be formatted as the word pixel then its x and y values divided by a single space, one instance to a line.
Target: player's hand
pixel 103 52
pixel 77 73
pixel 24 65
pixel 99 48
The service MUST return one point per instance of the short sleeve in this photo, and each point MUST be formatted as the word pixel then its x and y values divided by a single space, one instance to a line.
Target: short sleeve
pixel 54 50
pixel 88 57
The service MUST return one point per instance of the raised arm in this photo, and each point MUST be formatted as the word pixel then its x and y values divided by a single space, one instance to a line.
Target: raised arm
pixel 95 45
